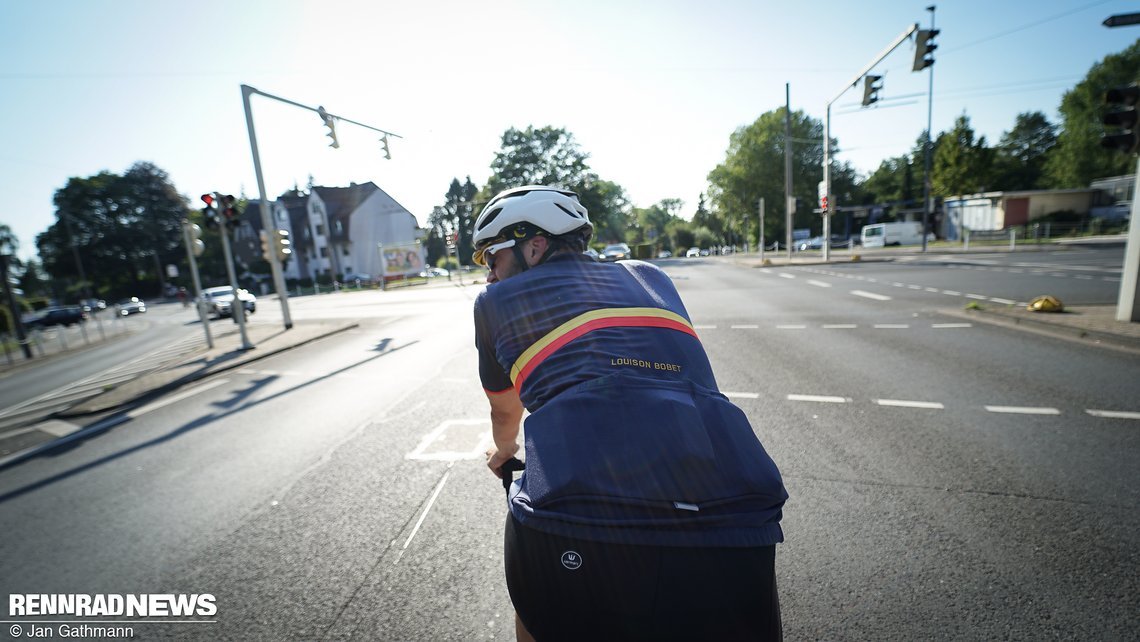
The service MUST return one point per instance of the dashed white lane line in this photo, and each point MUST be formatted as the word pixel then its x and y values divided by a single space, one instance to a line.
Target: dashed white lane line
pixel 744 327
pixel 817 398
pixel 818 284
pixel 791 326
pixel 1002 301
pixel 951 325
pixel 838 326
pixel 891 326
pixel 902 403
pixel 1112 279
pixel 934 290
pixel 1114 414
pixel 704 327
pixel 1083 277
pixel 871 295
pixel 741 395
pixel 785 275
pixel 980 297
pixel 951 293
pixel 1024 410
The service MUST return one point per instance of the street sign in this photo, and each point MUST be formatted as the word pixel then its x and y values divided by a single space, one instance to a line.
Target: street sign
pixel 172 271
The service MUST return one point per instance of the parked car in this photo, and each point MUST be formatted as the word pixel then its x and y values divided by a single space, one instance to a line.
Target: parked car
pixel 93 305
pixel 816 243
pixel 60 315
pixel 616 252
pixel 430 272
pixel 220 299
pixel 592 253
pixel 133 305
pixel 693 252
pixel 353 278
pixel 664 254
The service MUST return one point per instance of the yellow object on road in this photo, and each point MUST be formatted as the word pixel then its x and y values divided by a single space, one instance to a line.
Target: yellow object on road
pixel 1046 303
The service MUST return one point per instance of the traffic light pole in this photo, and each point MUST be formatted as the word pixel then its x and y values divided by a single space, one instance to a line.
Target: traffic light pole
pixel 266 219
pixel 237 308
pixel 927 187
pixel 827 136
pixel 1128 301
pixel 198 302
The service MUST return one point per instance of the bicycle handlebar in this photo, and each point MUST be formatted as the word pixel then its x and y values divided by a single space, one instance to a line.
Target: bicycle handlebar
pixel 509 468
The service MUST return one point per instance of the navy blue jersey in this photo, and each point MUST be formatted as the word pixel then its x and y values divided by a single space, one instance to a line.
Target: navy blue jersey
pixel 628 439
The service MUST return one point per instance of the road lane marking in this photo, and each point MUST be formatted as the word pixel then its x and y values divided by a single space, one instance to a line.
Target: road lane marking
pixel 901 403
pixel 980 297
pixel 704 327
pixel 891 326
pixel 1114 414
pixel 934 290
pixel 438 438
pixel 744 327
pixel 897 284
pixel 818 284
pixel 791 327
pixel 423 515
pixel 839 326
pixel 819 398
pixel 951 293
pixel 786 275
pixel 138 412
pixel 1083 277
pixel 951 325
pixel 871 295
pixel 741 395
pixel 1024 410
pixel 1002 301
pixel 915 287
pixel 1111 279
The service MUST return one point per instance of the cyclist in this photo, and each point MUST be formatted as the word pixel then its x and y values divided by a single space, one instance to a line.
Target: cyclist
pixel 648 509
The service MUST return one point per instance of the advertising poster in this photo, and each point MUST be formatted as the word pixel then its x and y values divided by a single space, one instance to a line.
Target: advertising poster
pixel 401 260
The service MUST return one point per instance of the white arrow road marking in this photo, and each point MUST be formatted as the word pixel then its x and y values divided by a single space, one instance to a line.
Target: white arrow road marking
pixel 1114 414
pixel 900 403
pixel 1024 410
pixel 871 295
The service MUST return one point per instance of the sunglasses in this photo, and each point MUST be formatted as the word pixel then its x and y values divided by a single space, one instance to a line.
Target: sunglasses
pixel 486 256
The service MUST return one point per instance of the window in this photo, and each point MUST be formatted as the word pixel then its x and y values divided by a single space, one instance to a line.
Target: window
pixel 320 230
pixel 324 252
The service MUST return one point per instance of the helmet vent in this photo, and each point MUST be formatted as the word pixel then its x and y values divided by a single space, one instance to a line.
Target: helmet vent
pixel 570 212
pixel 493 215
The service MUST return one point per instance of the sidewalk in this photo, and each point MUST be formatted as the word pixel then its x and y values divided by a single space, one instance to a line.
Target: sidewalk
pixel 112 407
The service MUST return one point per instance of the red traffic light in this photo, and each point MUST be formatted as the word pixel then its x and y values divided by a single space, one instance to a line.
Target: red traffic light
pixel 208 199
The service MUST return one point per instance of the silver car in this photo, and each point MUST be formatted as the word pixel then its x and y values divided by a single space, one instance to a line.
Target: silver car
pixel 219 300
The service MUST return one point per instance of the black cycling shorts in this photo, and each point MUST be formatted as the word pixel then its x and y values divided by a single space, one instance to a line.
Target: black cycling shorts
pixel 573 589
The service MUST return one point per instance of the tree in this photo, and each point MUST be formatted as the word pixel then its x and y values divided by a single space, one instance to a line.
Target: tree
pixel 962 164
pixel 124 227
pixel 1079 159
pixel 1020 157
pixel 754 168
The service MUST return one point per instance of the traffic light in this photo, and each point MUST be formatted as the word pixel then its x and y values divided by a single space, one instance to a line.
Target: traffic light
pixel 384 142
pixel 210 212
pixel 197 245
pixel 331 124
pixel 870 89
pixel 282 245
pixel 1123 115
pixel 230 213
pixel 264 244
pixel 924 49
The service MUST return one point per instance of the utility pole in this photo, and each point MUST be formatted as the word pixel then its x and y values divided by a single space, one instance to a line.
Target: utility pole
pixel 827 137
pixel 237 307
pixel 266 219
pixel 789 197
pixel 761 238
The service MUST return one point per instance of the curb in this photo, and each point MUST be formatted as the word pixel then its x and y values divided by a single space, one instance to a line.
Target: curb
pixel 1075 334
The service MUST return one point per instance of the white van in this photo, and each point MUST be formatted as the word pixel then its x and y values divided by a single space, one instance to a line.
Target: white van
pixel 883 234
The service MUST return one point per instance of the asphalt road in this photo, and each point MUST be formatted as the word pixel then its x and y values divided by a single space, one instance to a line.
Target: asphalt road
pixel 947 480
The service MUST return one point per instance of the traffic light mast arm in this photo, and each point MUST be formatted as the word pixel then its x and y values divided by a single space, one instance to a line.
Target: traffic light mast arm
pixel 248 91
pixel 886 52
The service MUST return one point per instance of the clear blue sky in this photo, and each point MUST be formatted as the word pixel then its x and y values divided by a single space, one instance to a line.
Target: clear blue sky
pixel 651 90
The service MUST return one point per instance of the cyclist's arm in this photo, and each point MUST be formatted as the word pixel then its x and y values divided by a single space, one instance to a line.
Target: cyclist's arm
pixel 506 415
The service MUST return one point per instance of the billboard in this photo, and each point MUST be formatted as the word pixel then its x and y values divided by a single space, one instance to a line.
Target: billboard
pixel 401 260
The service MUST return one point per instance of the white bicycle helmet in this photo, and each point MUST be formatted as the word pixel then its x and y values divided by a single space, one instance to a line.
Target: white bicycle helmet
pixel 523 212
